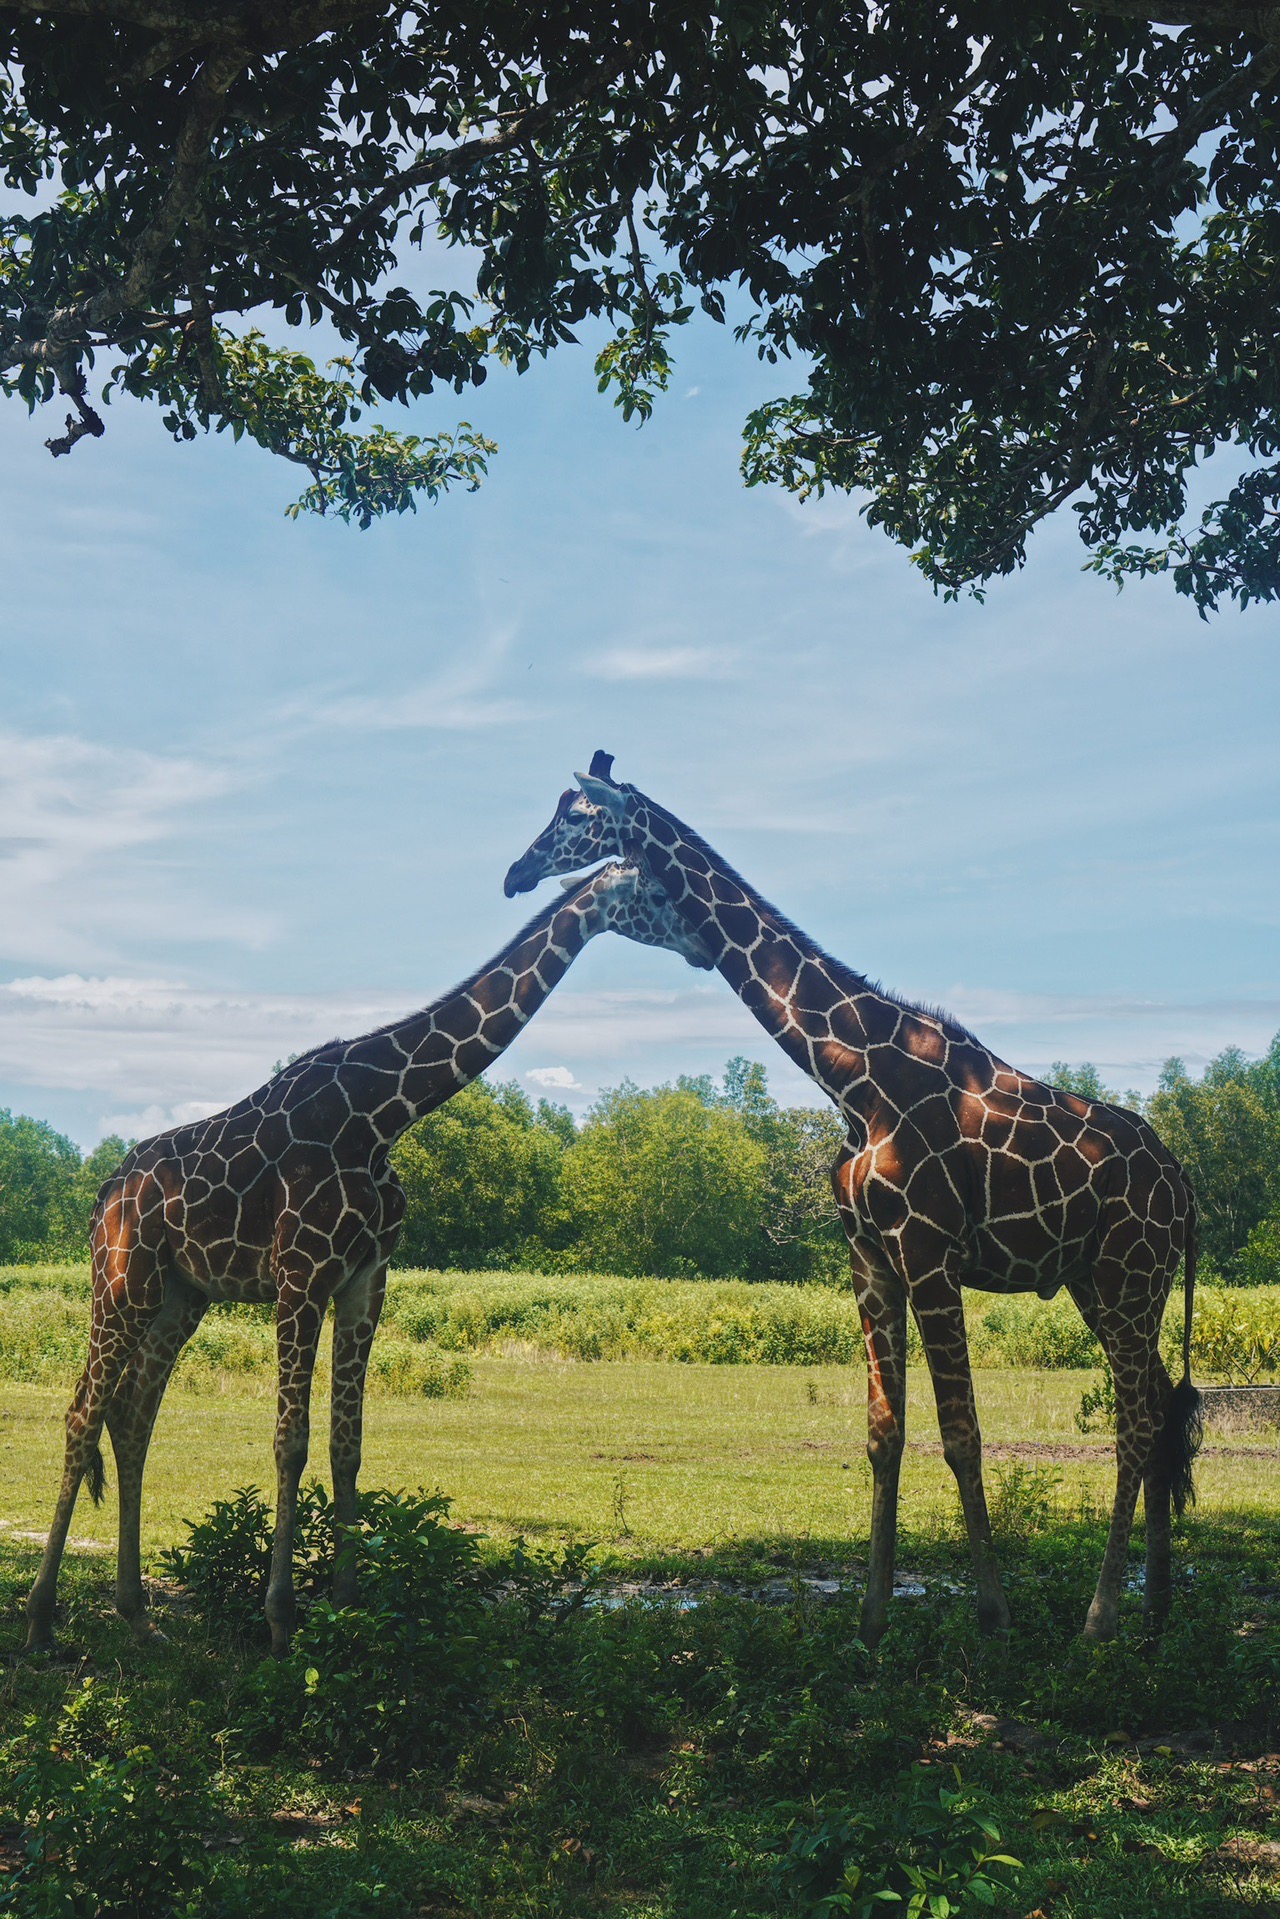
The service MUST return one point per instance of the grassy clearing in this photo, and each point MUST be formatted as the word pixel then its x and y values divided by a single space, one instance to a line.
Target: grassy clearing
pixel 649 1762
pixel 725 1458
pixel 655 1761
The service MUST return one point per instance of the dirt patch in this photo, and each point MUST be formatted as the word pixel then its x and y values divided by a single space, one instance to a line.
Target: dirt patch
pixel 1061 1452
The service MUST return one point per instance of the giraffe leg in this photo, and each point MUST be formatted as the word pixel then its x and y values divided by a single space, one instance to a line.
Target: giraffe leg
pixel 1131 1346
pixel 882 1303
pixel 355 1320
pixel 939 1309
pixel 131 1416
pixel 299 1317
pixel 128 1286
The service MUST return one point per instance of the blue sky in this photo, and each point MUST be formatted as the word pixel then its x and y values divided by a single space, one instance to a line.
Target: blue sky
pixel 260 780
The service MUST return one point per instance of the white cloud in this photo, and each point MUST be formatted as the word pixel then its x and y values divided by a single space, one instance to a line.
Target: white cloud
pixel 662 663
pixel 464 697
pixel 555 1078
pixel 158 1048
pixel 79 827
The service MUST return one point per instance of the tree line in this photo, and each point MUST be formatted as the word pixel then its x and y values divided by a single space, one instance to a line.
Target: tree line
pixel 702 1178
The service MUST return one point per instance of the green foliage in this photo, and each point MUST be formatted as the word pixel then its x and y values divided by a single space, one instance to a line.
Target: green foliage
pixel 398 1678
pixel 482 1180
pixel 1025 254
pixel 39 1172
pixel 1235 1336
pixel 1258 1262
pixel 47 1189
pixel 104 1833
pixel 431 1320
pixel 278 398
pixel 1225 1129
pixel 586 1316
pixel 664 1183
pixel 227 1558
pixel 934 1857
pixel 44 1326
pixel 635 1756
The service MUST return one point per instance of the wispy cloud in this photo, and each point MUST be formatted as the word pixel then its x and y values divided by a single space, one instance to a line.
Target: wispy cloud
pixel 663 663
pixel 466 696
pixel 78 824
pixel 146 1047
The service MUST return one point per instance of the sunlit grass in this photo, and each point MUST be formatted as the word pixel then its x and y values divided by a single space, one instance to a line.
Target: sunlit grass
pixel 648 1458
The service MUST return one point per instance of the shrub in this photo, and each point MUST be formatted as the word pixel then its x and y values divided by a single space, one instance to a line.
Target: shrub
pixel 104 1836
pixel 396 1679
pixel 1236 1333
pixel 934 1852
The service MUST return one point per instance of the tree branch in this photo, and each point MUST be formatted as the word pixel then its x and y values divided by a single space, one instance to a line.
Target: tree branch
pixel 523 126
pixel 1262 21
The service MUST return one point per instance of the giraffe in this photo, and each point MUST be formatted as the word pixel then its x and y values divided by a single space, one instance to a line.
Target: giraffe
pixel 290 1196
pixel 957 1171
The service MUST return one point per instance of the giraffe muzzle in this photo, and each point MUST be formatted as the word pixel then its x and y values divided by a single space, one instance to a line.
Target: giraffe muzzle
pixel 522 876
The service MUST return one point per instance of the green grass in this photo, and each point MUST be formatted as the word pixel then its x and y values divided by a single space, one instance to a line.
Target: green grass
pixel 585 1316
pixel 633 1764
pixel 654 1762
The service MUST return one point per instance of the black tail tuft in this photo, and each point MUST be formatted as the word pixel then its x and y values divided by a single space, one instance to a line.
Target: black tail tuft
pixel 1180 1442
pixel 96 1475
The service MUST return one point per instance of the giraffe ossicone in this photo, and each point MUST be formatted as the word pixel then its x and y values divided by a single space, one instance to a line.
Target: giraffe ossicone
pixel 957 1171
pixel 290 1196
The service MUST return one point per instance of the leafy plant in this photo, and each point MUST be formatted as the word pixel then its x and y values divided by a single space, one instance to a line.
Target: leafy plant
pixel 399 1676
pixel 933 1854
pixel 112 1835
pixel 1098 1404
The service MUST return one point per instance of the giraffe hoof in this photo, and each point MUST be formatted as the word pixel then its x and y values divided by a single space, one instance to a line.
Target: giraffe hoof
pixel 148 1636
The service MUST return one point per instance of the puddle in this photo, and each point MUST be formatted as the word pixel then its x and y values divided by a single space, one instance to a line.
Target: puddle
pixel 769 1592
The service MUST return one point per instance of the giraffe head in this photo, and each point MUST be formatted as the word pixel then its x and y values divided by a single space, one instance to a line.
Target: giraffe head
pixel 587 825
pixel 623 898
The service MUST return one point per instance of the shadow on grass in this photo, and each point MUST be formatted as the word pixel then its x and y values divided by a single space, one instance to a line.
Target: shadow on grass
pixel 641 1761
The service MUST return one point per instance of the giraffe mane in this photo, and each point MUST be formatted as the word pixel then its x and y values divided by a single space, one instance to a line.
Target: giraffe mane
pixel 923 1009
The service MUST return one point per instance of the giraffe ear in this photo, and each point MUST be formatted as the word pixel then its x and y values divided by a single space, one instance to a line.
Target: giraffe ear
pixel 601 767
pixel 606 797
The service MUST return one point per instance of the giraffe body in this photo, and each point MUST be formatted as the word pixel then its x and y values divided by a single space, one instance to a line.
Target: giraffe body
pixel 957 1171
pixel 290 1196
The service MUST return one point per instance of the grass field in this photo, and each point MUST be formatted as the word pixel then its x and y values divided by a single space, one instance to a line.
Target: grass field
pixel 699 1456
pixel 647 1762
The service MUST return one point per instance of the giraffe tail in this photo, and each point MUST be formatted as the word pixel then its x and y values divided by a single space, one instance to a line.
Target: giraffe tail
pixel 1184 1423
pixel 96 1476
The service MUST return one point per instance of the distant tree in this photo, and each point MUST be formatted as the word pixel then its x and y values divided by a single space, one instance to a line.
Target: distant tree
pixel 1227 1136
pixel 1085 1082
pixel 39 1185
pixel 482 1178
pixel 1258 1262
pixel 665 1182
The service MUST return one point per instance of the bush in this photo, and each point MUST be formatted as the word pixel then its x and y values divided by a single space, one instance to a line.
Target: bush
pixel 1236 1333
pixel 934 1853
pixel 107 1835
pixel 1258 1262
pixel 44 1333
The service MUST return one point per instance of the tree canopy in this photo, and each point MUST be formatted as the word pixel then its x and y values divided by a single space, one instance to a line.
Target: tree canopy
pixel 1023 252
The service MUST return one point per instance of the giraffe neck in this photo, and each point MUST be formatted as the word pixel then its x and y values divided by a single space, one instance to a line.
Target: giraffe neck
pixel 405 1070
pixel 822 1013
